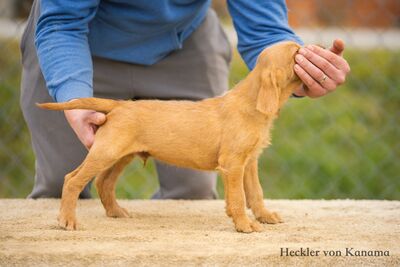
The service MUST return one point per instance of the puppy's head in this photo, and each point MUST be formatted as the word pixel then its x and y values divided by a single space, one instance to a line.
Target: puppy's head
pixel 277 79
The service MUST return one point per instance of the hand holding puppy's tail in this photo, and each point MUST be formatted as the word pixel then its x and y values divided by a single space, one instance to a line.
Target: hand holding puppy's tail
pixel 98 104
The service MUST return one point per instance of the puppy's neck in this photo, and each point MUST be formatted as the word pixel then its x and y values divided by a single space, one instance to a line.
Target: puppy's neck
pixel 245 95
pixel 247 88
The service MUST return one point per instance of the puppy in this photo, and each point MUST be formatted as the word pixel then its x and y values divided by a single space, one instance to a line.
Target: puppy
pixel 225 133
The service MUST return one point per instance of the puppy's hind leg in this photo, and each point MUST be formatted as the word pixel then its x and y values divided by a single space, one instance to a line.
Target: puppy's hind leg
pixel 226 194
pixel 96 161
pixel 105 185
pixel 254 195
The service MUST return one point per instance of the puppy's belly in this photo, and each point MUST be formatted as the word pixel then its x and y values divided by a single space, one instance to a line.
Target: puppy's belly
pixel 195 160
pixel 184 150
pixel 192 143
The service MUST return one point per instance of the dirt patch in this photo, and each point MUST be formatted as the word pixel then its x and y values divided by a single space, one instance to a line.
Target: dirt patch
pixel 198 233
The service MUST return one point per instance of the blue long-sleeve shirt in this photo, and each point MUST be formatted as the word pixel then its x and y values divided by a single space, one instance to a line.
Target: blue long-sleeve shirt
pixel 69 32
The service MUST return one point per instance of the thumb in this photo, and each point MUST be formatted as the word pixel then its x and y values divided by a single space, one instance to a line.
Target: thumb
pixel 97 118
pixel 337 47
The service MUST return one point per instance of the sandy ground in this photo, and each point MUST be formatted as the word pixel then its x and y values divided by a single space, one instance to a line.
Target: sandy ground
pixel 189 233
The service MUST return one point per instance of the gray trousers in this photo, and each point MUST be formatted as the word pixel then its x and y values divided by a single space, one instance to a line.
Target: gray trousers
pixel 199 70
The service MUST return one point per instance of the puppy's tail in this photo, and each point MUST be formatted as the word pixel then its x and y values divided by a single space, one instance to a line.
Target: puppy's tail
pixel 98 104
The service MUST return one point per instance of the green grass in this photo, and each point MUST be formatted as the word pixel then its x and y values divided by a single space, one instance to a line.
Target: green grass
pixel 345 145
pixel 16 158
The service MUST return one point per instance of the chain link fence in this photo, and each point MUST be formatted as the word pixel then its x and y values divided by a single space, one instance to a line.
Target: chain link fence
pixel 344 145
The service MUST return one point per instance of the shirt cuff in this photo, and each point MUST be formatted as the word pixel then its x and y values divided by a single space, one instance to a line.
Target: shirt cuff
pixel 71 90
pixel 250 57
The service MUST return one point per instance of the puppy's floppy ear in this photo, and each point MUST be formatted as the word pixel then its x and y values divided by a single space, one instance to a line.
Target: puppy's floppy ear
pixel 269 92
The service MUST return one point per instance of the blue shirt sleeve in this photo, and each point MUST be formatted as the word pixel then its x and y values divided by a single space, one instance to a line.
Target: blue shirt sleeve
pixel 63 49
pixel 259 24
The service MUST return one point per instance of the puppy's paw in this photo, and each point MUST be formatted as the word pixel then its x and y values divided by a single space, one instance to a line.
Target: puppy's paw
pixel 256 226
pixel 118 212
pixel 248 226
pixel 269 217
pixel 67 222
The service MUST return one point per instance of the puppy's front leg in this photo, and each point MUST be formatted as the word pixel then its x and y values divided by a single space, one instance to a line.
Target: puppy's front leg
pixel 236 200
pixel 254 195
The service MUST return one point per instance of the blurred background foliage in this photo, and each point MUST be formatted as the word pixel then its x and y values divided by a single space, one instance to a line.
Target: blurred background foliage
pixel 344 145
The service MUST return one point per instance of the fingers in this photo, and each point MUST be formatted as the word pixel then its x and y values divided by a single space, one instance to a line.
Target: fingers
pixel 337 47
pixel 96 118
pixel 319 62
pixel 87 136
pixel 93 120
pixel 315 89
pixel 85 124
pixel 325 78
pixel 334 59
pixel 320 69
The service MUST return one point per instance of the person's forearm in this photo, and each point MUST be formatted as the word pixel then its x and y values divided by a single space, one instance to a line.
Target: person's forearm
pixel 260 24
pixel 63 49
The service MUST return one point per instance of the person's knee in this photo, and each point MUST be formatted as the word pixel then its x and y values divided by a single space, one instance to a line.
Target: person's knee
pixel 199 189
pixel 196 186
pixel 52 188
pixel 183 183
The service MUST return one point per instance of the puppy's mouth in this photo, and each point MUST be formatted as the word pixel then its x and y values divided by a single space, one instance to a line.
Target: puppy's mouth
pixel 295 78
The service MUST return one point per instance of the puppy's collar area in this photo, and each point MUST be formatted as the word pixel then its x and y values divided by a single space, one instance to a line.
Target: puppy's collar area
pixel 297 96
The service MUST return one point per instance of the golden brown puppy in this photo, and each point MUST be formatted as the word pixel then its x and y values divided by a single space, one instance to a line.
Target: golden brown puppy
pixel 225 133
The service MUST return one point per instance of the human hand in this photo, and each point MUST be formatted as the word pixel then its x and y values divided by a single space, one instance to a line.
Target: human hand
pixel 85 124
pixel 321 70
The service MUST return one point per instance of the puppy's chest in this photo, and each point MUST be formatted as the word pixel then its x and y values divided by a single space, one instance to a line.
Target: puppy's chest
pixel 258 138
pixel 265 135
